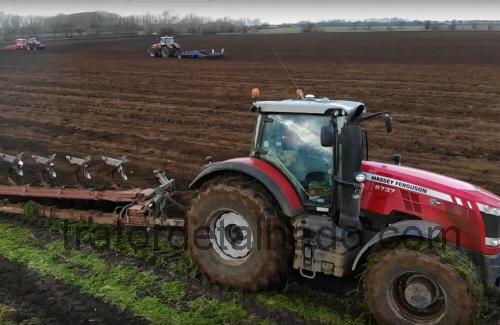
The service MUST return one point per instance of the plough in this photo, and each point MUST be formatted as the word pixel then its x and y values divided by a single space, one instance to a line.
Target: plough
pixel 118 169
pixel 136 207
pixel 16 166
pixel 47 168
pixel 82 168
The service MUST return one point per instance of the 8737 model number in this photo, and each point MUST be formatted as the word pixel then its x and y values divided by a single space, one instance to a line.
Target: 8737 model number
pixel 384 189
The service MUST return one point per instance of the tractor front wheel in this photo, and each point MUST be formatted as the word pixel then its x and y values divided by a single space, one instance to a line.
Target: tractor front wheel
pixel 237 236
pixel 408 286
pixel 152 52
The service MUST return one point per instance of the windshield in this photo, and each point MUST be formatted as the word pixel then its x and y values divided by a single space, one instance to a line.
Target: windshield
pixel 292 143
pixel 166 40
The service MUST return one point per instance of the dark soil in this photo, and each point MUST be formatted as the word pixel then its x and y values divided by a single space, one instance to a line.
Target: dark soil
pixel 52 302
pixel 82 98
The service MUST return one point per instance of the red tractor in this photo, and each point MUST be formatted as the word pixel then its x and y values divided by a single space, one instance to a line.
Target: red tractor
pixel 308 197
pixel 166 47
pixel 22 44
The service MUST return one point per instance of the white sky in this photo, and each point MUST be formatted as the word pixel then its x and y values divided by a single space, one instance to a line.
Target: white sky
pixel 272 11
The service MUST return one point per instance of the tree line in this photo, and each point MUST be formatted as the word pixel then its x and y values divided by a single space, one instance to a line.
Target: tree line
pixel 104 23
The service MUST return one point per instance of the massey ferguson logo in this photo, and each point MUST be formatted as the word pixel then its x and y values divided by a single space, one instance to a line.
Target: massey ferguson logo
pixel 409 187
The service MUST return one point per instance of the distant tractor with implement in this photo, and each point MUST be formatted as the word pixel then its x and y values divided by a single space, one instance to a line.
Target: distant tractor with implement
pixel 308 198
pixel 22 44
pixel 166 47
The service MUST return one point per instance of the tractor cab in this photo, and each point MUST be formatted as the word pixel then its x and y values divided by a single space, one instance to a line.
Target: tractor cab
pixel 288 136
pixel 167 40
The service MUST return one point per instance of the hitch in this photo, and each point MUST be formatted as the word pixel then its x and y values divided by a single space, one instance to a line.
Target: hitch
pixel 47 167
pixel 15 168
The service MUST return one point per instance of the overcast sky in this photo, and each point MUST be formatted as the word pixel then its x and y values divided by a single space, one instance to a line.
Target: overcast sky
pixel 272 11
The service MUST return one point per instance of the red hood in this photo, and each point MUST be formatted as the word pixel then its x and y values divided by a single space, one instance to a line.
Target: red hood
pixel 439 186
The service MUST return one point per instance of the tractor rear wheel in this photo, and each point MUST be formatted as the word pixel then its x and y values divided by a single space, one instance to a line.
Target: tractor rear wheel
pixel 165 52
pixel 237 236
pixel 407 286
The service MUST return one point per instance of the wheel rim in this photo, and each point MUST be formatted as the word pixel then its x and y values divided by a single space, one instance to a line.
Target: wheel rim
pixel 417 298
pixel 231 236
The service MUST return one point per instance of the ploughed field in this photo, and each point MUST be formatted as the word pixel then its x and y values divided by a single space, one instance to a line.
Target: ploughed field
pixel 107 97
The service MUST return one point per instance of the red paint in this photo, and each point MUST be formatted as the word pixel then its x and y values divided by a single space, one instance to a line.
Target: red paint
pixel 72 194
pixel 449 214
pixel 278 178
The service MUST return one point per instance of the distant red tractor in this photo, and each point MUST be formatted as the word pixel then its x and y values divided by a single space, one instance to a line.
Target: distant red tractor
pixel 23 44
pixel 166 47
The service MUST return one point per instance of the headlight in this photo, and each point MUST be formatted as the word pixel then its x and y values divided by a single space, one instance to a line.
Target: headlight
pixel 488 210
pixel 491 222
pixel 360 178
pixel 492 242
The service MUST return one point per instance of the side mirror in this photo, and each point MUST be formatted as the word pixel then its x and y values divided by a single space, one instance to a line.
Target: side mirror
pixel 327 136
pixel 397 159
pixel 388 123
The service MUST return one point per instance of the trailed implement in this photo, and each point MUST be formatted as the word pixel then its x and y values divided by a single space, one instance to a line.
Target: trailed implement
pixel 203 54
pixel 135 207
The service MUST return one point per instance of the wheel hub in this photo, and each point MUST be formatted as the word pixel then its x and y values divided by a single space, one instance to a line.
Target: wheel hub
pixel 231 236
pixel 416 297
pixel 420 293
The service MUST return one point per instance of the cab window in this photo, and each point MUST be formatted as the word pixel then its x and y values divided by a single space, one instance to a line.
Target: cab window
pixel 292 144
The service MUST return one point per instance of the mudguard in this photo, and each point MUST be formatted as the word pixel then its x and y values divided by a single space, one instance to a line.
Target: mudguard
pixel 408 228
pixel 269 176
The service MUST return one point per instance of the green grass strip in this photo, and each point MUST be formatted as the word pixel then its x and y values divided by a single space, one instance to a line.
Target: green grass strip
pixel 305 310
pixel 126 287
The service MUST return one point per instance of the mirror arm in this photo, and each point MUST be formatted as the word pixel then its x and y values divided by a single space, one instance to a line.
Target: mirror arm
pixel 372 115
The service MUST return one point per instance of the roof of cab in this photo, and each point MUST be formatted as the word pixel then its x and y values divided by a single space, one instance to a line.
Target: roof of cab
pixel 319 106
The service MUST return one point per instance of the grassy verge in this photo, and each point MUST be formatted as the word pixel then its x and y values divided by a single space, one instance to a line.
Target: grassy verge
pixel 151 246
pixel 165 292
pixel 7 314
pixel 129 288
pixel 307 310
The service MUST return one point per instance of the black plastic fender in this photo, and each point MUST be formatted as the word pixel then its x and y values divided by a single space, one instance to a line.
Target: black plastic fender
pixel 408 228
